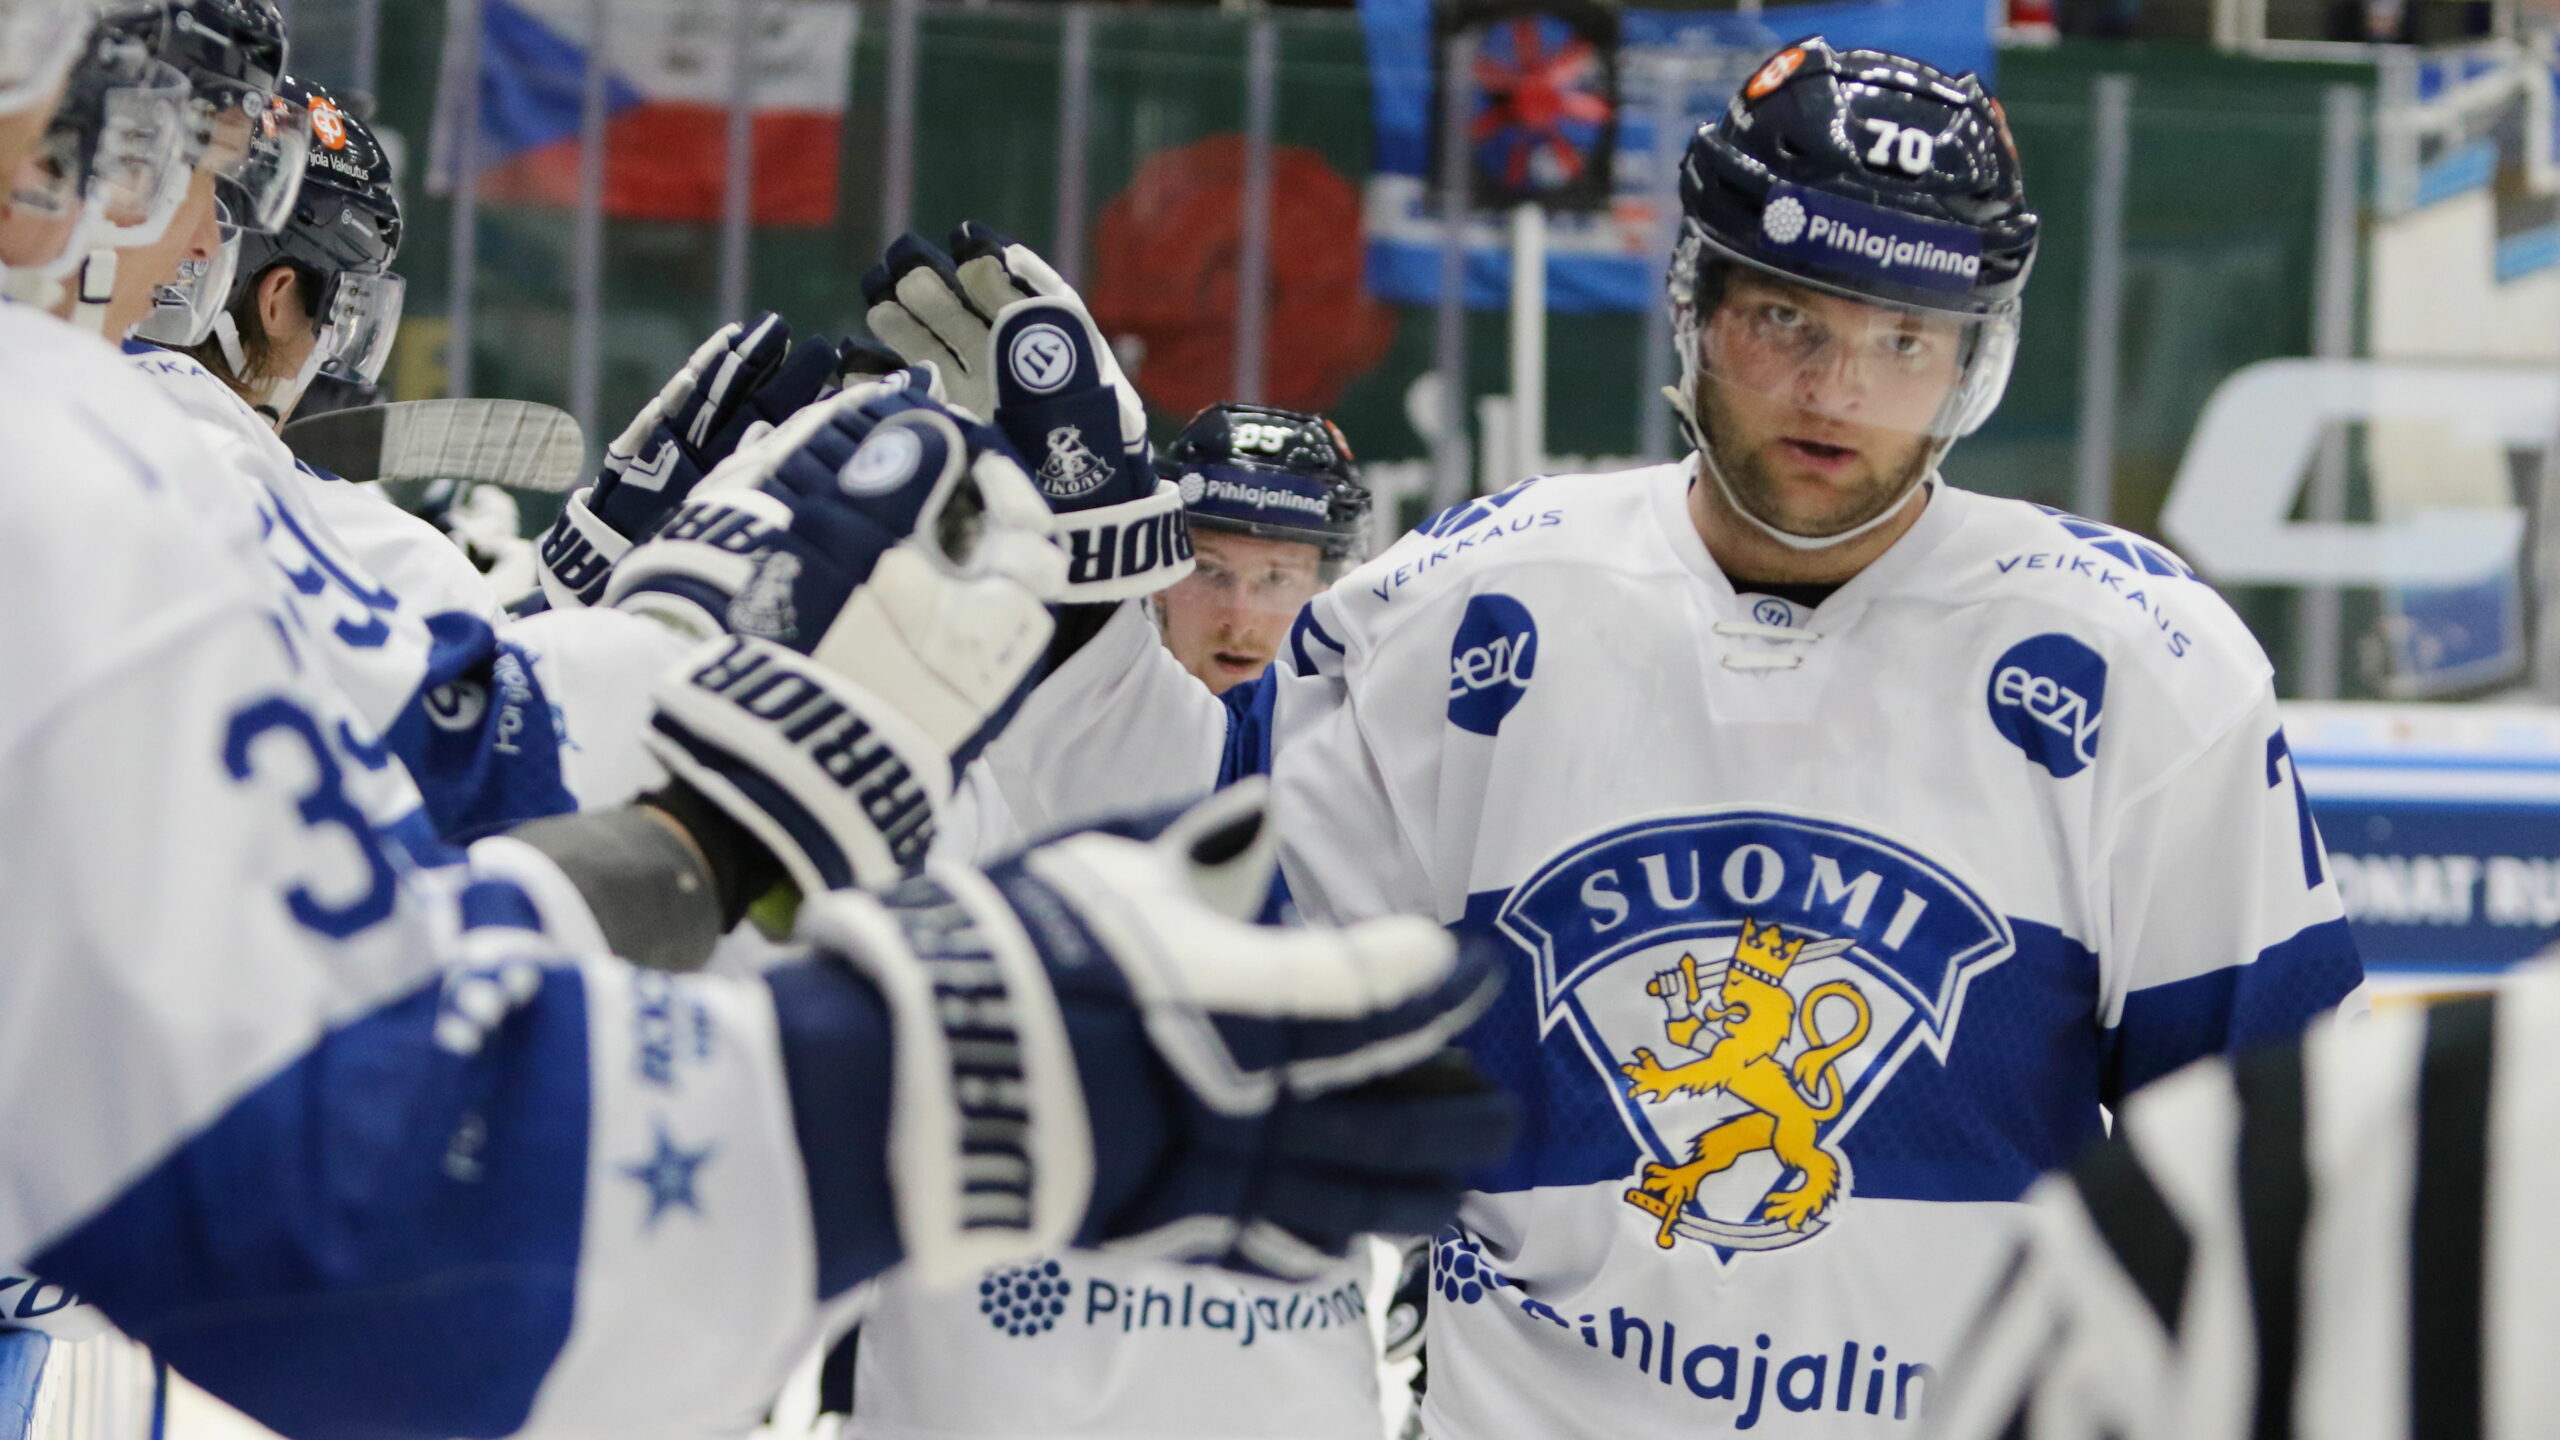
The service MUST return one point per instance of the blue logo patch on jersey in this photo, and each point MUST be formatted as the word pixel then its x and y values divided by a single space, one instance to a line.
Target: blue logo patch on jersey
pixel 1745 983
pixel 1490 662
pixel 1026 1300
pixel 2045 695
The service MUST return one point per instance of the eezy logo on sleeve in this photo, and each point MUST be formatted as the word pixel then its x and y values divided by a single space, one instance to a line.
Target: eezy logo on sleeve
pixel 2046 692
pixel 1490 662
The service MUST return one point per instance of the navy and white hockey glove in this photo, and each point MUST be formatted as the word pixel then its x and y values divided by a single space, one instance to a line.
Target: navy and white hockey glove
pixel 1014 343
pixel 738 385
pixel 870 579
pixel 1094 1045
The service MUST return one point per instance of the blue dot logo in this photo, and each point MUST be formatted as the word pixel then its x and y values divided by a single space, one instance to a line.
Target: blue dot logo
pixel 1458 1269
pixel 1490 662
pixel 1026 1301
pixel 2045 694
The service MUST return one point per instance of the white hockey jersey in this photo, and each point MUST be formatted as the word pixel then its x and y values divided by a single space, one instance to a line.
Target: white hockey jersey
pixel 1095 1346
pixel 498 720
pixel 258 1053
pixel 1829 929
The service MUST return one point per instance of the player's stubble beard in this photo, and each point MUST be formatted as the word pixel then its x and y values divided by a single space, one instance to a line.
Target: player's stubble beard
pixel 1751 487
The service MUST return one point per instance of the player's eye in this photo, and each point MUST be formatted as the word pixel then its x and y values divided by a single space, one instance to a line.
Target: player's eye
pixel 1907 345
pixel 1778 316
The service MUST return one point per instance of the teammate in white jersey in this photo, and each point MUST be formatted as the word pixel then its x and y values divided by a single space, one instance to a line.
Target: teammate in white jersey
pixel 1853 838
pixel 1082 1344
pixel 371 1144
pixel 498 722
pixel 1275 506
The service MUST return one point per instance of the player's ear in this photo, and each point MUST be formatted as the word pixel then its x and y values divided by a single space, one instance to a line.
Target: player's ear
pixel 282 307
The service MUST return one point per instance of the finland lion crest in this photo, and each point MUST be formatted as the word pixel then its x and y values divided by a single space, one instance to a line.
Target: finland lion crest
pixel 1745 985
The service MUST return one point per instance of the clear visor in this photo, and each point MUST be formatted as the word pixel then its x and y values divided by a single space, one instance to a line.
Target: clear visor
pixel 1248 577
pixel 363 320
pixel 44 212
pixel 255 145
pixel 1837 377
pixel 124 192
pixel 139 176
pixel 184 309
pixel 39 40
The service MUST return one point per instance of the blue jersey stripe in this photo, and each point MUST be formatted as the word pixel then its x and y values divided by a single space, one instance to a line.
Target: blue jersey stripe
pixel 380 1242
pixel 1248 747
pixel 2270 998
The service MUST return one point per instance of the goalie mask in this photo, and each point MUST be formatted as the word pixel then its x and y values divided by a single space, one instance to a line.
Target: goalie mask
pixel 1854 238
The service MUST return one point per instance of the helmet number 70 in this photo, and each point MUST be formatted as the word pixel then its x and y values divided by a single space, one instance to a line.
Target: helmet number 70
pixel 1907 148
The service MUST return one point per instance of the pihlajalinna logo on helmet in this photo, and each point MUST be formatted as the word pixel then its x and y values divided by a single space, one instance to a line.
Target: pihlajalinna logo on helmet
pixel 1744 985
pixel 1783 221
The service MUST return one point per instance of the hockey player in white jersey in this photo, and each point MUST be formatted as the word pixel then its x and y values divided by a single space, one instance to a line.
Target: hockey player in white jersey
pixel 1853 838
pixel 244 140
pixel 1095 1345
pixel 111 166
pixel 497 723
pixel 375 1146
pixel 1275 505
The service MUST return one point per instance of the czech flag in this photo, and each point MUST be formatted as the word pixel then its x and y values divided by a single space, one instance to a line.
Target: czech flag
pixel 669 76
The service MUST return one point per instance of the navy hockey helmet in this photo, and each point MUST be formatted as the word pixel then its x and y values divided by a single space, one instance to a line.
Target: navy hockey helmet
pixel 1872 176
pixel 1852 247
pixel 340 239
pixel 249 132
pixel 1271 473
pixel 1918 160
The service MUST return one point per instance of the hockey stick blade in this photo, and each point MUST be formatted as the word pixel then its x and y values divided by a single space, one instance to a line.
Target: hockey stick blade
pixel 514 443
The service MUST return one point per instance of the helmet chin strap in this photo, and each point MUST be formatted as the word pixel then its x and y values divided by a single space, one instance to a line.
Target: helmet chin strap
pixel 97 286
pixel 270 394
pixel 33 285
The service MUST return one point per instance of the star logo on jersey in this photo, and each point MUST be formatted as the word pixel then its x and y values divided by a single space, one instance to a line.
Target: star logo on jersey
pixel 1743 985
pixel 669 1174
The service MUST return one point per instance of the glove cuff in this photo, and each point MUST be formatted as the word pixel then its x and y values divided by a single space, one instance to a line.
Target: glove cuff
pixel 578 554
pixel 835 782
pixel 699 561
pixel 990 1148
pixel 1123 551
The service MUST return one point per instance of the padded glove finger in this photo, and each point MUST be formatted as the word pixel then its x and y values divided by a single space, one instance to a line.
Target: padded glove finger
pixel 995 271
pixel 878 564
pixel 1013 1022
pixel 694 421
pixel 918 309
